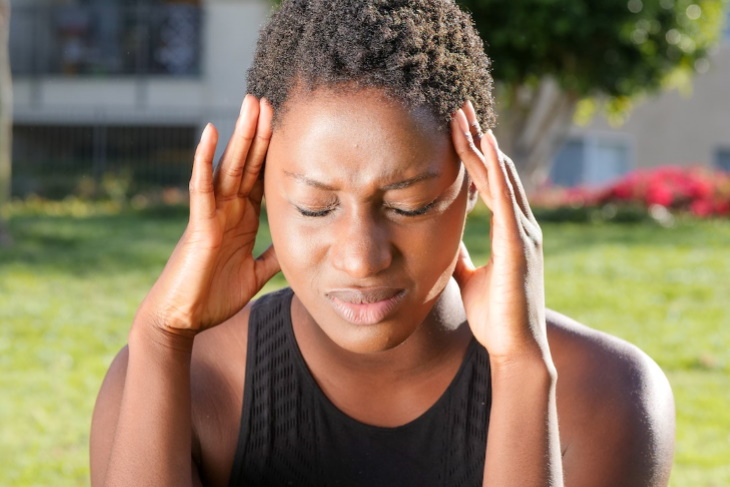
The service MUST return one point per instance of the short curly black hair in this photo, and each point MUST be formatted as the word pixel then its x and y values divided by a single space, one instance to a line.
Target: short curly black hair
pixel 422 53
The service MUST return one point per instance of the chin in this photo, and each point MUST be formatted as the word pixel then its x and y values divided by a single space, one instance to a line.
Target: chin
pixel 368 342
pixel 368 339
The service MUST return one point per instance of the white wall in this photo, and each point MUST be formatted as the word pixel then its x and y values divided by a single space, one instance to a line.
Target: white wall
pixel 232 30
pixel 229 35
pixel 678 128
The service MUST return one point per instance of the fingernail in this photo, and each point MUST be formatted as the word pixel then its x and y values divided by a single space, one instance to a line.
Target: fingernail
pixel 206 131
pixel 244 105
pixel 470 105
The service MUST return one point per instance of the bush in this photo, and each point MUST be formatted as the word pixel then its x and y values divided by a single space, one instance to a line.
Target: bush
pixel 657 193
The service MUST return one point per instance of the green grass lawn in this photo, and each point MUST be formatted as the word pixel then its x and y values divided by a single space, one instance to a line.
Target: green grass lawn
pixel 71 284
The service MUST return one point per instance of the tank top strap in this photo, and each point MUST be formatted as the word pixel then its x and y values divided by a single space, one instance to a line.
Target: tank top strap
pixel 275 426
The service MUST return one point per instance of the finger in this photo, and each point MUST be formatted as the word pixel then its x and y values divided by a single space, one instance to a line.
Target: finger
pixel 464 268
pixel 230 169
pixel 257 155
pixel 471 156
pixel 474 127
pixel 514 180
pixel 202 197
pixel 505 206
pixel 266 266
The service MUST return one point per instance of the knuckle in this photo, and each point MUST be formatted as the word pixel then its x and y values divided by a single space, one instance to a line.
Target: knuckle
pixel 263 137
pixel 235 171
pixel 463 151
pixel 195 187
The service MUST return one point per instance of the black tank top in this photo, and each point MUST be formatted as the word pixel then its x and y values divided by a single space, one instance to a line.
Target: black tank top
pixel 291 434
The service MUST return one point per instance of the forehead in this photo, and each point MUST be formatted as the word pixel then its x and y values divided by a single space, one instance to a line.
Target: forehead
pixel 356 134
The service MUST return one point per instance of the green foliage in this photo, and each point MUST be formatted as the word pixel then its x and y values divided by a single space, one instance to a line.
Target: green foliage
pixel 616 48
pixel 70 287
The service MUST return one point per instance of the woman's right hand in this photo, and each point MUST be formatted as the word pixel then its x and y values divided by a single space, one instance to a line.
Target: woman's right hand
pixel 212 273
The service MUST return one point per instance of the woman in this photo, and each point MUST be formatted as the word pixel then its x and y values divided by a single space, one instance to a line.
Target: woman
pixel 392 360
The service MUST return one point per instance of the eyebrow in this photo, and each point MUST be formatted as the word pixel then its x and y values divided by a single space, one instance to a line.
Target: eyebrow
pixel 399 185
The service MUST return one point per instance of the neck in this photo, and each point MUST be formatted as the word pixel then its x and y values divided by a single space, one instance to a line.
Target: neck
pixel 395 386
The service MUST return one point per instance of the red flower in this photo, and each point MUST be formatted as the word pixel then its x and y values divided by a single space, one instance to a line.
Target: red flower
pixel 659 194
pixel 723 208
pixel 701 208
pixel 697 190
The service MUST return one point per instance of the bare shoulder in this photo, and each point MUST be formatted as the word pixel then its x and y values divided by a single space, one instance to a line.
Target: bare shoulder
pixel 615 407
pixel 217 375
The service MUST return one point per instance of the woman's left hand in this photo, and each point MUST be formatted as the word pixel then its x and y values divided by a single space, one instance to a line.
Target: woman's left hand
pixel 504 300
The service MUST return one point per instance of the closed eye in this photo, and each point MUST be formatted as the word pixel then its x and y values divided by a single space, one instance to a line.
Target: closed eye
pixel 417 212
pixel 322 212
pixel 315 213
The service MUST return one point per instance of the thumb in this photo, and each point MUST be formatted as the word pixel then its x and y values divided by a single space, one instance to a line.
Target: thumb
pixel 464 266
pixel 266 266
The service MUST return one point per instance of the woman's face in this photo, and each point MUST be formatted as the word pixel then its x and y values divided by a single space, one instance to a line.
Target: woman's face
pixel 366 203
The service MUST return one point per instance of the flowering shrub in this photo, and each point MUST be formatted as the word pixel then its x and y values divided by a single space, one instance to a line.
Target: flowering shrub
pixel 696 190
pixel 658 191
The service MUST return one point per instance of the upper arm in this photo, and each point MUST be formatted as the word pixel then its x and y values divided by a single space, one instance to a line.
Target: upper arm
pixel 106 414
pixel 616 414
pixel 105 417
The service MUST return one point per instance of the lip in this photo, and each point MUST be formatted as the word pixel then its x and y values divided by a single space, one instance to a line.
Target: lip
pixel 365 306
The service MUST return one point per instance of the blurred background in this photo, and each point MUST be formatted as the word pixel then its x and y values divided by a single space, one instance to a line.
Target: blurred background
pixel 616 112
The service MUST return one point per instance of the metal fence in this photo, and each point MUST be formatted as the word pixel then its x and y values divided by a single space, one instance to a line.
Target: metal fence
pixel 67 150
pixel 94 159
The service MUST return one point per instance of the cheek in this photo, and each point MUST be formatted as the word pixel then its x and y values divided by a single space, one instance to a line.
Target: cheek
pixel 298 249
pixel 431 254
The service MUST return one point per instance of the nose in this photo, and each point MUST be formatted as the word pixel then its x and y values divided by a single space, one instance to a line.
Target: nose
pixel 361 246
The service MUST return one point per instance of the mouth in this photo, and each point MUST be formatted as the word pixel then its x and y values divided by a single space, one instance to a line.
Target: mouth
pixel 365 306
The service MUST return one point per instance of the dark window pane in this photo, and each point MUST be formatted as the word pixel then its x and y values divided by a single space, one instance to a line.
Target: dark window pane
pixel 568 166
pixel 722 159
pixel 106 38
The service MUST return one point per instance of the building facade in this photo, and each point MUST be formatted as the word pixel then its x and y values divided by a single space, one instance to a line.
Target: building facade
pixel 126 86
pixel 672 128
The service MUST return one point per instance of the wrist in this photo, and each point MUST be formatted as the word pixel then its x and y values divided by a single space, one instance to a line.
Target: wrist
pixel 158 313
pixel 148 334
pixel 526 368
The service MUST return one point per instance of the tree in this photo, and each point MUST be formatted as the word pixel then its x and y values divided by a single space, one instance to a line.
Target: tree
pixel 549 55
pixel 6 106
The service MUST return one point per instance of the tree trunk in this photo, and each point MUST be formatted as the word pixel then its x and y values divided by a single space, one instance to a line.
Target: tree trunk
pixel 6 124
pixel 532 126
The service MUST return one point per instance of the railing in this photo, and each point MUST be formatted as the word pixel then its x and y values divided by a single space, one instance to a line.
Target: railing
pixel 106 40
pixel 85 159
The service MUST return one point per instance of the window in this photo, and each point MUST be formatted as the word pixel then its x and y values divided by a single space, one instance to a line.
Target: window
pixel 106 37
pixel 591 160
pixel 567 168
pixel 605 160
pixel 722 159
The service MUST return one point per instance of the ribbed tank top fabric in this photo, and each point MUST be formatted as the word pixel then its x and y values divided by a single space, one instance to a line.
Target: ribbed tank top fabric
pixel 292 435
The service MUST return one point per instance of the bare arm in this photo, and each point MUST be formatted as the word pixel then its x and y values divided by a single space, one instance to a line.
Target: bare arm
pixel 616 409
pixel 616 406
pixel 142 432
pixel 505 306
pixel 122 435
